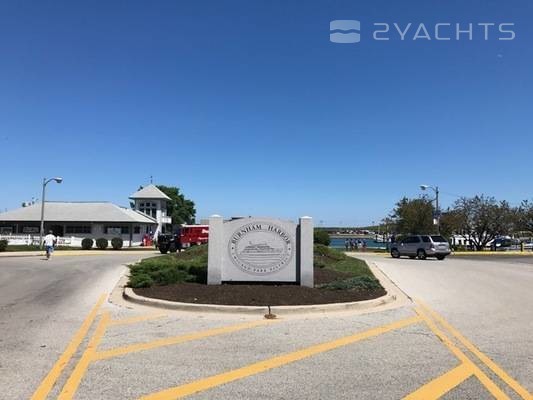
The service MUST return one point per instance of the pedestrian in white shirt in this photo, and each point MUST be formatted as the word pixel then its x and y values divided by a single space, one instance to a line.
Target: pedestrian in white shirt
pixel 49 243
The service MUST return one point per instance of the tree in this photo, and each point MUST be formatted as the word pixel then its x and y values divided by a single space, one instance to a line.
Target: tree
pixel 414 216
pixel 450 222
pixel 481 219
pixel 180 209
pixel 321 236
pixel 389 225
pixel 524 216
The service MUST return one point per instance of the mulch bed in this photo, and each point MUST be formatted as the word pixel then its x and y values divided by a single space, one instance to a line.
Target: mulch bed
pixel 261 295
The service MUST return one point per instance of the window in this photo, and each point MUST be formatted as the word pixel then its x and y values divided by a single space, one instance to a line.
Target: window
pixel 136 229
pixel 78 229
pixel 425 239
pixel 148 209
pixel 439 239
pixel 6 230
pixel 117 230
pixel 412 239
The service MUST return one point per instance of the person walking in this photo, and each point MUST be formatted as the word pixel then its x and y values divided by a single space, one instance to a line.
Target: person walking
pixel 347 244
pixel 49 242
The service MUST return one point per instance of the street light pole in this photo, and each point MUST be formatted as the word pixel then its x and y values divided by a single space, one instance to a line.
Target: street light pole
pixel 45 182
pixel 436 190
pixel 437 206
pixel 42 216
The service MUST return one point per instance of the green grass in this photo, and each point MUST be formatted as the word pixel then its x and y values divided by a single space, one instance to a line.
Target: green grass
pixel 191 266
pixel 326 257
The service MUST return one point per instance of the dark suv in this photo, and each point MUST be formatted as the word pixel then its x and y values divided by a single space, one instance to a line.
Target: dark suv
pixel 167 242
pixel 421 246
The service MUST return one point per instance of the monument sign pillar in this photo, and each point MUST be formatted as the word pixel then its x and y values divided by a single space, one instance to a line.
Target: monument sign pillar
pixel 260 250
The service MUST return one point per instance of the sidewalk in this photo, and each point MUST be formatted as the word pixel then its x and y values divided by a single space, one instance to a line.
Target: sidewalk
pixel 59 253
pixel 493 253
pixel 526 253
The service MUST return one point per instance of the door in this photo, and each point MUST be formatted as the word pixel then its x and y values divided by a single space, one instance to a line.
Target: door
pixel 411 244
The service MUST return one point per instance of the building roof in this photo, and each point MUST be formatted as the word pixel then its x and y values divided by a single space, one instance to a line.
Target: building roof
pixel 63 211
pixel 149 192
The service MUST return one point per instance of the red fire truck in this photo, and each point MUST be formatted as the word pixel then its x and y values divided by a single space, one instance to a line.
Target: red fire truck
pixel 191 235
pixel 188 235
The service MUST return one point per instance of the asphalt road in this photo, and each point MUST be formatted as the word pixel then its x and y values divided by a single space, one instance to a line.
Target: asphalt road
pixel 501 258
pixel 42 304
pixel 467 335
pixel 488 298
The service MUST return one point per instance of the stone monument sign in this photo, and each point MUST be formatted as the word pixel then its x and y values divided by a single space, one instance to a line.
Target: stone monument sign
pixel 260 250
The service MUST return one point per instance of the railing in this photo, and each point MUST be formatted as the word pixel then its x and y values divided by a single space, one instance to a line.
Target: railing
pixel 34 240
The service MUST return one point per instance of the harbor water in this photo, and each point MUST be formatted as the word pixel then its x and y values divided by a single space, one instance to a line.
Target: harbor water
pixel 338 243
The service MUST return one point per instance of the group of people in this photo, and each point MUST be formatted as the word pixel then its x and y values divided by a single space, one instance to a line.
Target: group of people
pixel 352 244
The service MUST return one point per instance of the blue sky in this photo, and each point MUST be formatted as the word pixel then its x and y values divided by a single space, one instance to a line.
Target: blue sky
pixel 251 110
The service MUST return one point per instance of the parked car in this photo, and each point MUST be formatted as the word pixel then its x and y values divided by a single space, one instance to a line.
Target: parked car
pixel 168 242
pixel 421 246
pixel 528 245
pixel 505 243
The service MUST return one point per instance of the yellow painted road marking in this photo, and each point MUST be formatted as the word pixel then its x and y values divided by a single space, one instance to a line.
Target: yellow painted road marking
pixel 75 378
pixel 443 384
pixel 178 339
pixel 134 320
pixel 519 389
pixel 262 366
pixel 49 381
pixel 484 379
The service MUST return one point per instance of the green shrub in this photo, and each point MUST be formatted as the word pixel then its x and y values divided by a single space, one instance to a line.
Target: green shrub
pixel 117 243
pixel 3 245
pixel 326 255
pixel 87 244
pixel 321 237
pixel 357 282
pixel 187 266
pixel 101 243
pixel 191 266
pixel 141 280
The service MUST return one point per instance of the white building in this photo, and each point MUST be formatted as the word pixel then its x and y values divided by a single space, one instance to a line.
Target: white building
pixel 73 221
pixel 153 202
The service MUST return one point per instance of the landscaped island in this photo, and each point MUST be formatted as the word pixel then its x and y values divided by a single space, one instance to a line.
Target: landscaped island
pixel 182 277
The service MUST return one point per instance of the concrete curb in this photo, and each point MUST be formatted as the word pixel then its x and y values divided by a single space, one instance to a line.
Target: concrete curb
pixel 279 310
pixel 394 295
